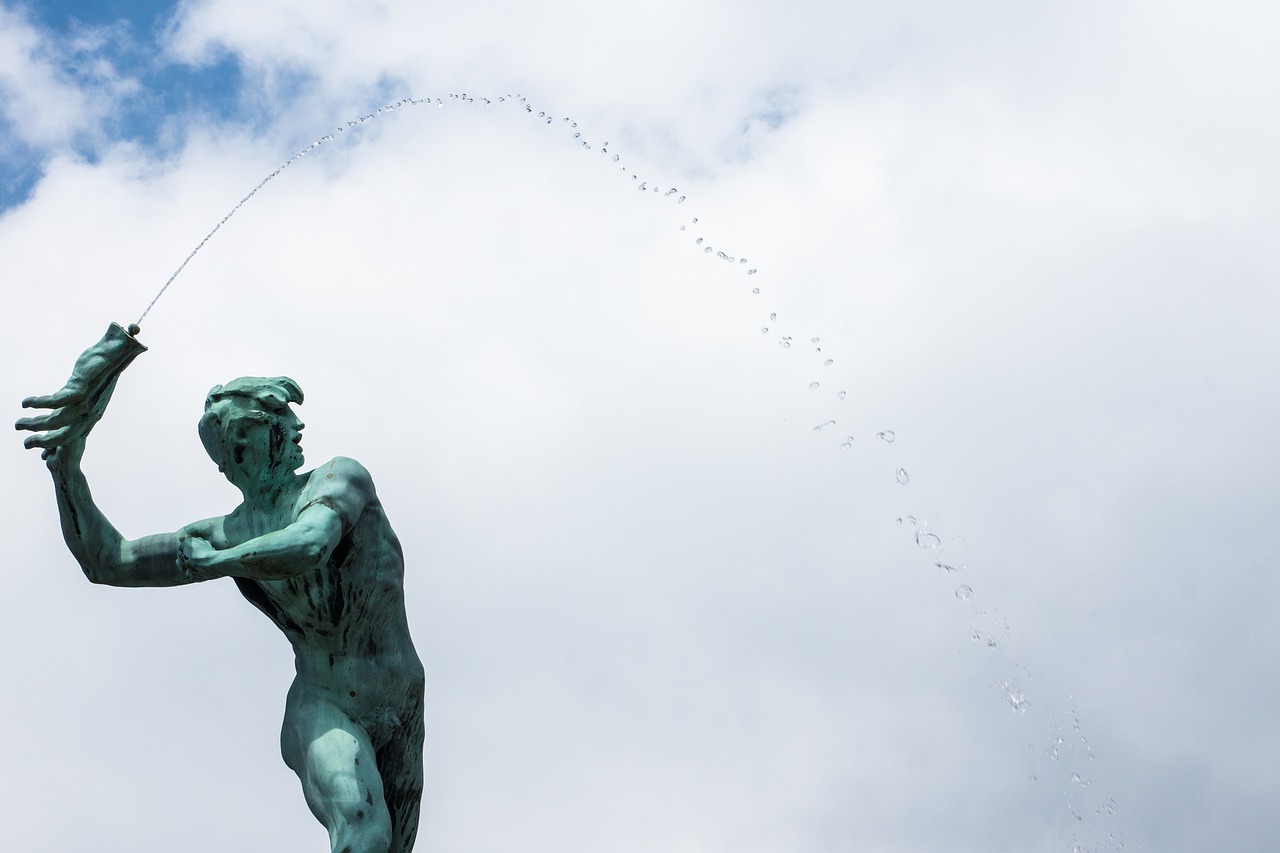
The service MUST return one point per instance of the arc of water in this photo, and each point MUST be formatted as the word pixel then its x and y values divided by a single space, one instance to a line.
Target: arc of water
pixel 464 98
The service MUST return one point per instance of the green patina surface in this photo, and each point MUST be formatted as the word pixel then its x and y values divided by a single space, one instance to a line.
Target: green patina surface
pixel 313 551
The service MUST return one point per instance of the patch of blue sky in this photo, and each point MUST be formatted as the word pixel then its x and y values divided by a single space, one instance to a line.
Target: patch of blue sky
pixel 18 176
pixel 126 35
pixel 64 16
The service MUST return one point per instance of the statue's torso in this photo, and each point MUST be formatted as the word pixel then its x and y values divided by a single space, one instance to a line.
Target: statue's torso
pixel 345 619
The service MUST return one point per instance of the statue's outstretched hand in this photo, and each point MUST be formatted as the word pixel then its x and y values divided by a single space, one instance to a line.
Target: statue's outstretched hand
pixel 79 404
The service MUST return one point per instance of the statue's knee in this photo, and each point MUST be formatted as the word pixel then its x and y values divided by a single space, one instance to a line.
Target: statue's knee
pixel 366 830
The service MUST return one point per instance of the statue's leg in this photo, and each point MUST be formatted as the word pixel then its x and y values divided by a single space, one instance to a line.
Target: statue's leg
pixel 339 773
pixel 400 762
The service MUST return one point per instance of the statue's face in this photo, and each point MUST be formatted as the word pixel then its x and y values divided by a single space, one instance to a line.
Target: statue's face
pixel 263 436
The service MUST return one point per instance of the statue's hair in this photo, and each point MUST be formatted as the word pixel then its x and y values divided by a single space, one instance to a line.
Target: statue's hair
pixel 220 407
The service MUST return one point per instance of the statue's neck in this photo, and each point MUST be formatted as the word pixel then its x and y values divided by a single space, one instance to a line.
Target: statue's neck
pixel 269 493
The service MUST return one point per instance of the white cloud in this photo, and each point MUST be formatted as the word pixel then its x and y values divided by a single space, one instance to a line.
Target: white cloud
pixel 53 92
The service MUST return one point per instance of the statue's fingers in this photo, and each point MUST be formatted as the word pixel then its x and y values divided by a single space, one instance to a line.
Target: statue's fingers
pixel 58 398
pixel 54 438
pixel 52 420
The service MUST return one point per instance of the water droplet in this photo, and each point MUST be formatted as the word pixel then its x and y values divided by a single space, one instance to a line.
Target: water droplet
pixel 680 200
pixel 722 256
pixel 707 250
pixel 964 592
pixel 764 330
pixel 644 186
pixel 898 521
pixel 813 386
pixel 813 340
pixel 828 362
pixel 946 567
pixel 617 157
pixel 1017 701
pixel 681 227
pixel 698 242
pixel 925 537
pixel 695 220
pixel 784 343
pixel 755 290
pixel 842 395
pixel 577 136
pixel 846 445
pixel 887 436
pixel 903 476
pixel 671 191
pixel 752 271
pixel 773 316
pixel 742 260
pixel 820 427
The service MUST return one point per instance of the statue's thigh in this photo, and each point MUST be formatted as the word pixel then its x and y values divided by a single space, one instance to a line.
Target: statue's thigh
pixel 400 761
pixel 336 764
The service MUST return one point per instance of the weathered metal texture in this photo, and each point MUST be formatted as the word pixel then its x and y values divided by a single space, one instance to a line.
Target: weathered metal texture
pixel 313 551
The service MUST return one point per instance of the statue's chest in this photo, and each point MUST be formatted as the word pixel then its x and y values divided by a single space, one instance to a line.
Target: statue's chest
pixel 244 525
pixel 314 602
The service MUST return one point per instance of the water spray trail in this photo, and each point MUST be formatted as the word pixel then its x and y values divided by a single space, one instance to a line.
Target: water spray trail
pixel 286 164
pixel 463 98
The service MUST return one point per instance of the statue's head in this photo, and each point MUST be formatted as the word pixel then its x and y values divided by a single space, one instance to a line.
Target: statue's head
pixel 248 428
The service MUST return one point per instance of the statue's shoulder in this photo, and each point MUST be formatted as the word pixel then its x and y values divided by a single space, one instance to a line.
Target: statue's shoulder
pixel 339 468
pixel 343 485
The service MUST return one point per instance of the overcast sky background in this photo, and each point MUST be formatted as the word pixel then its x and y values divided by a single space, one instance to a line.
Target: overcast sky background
pixel 659 607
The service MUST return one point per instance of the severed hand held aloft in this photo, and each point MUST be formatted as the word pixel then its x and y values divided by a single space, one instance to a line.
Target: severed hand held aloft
pixel 80 403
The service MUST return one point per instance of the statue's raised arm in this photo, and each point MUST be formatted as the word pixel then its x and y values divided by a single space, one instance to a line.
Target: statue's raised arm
pixel 105 555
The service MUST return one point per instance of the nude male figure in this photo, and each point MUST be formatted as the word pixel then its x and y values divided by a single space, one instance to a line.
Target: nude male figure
pixel 313 551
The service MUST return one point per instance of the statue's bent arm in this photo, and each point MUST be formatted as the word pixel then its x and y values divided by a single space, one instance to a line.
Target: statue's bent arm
pixel 295 549
pixel 335 496
pixel 104 555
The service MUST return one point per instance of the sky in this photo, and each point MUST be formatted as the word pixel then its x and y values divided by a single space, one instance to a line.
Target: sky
pixel 937 514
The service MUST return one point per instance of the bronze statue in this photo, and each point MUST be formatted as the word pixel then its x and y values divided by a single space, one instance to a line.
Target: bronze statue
pixel 313 551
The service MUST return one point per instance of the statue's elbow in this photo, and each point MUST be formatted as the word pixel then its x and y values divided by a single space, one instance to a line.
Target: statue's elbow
pixel 93 572
pixel 314 554
pixel 99 571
